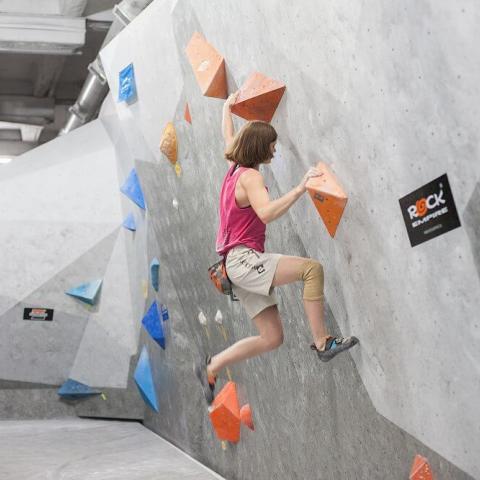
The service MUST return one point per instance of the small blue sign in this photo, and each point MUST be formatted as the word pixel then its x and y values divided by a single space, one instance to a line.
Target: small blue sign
pixel 127 90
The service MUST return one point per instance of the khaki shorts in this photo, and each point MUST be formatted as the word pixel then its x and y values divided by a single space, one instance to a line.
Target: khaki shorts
pixel 251 274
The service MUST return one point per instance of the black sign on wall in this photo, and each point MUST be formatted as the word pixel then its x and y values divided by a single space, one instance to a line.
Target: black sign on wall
pixel 39 314
pixel 429 211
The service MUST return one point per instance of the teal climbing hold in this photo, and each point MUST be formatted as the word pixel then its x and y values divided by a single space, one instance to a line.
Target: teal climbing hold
pixel 132 189
pixel 144 380
pixel 73 389
pixel 87 292
pixel 152 324
pixel 154 273
pixel 129 222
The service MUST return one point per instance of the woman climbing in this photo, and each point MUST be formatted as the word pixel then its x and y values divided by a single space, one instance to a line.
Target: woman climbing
pixel 245 209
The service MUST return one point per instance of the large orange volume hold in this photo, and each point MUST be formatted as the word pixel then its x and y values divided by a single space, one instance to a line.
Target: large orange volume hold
pixel 258 98
pixel 208 66
pixel 420 469
pixel 168 143
pixel 225 414
pixel 328 196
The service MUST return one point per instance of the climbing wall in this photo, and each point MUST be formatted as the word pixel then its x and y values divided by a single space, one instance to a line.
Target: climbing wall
pixel 67 308
pixel 383 97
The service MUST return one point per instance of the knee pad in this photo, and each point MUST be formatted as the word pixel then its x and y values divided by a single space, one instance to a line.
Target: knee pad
pixel 313 280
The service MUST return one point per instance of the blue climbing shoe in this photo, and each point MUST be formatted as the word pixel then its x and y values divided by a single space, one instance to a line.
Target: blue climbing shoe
pixel 334 346
pixel 200 369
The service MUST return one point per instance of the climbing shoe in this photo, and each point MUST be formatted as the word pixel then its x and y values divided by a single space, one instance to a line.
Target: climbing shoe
pixel 208 388
pixel 334 346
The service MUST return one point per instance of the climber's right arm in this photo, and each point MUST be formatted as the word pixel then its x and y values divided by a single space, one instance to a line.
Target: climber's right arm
pixel 268 210
pixel 227 122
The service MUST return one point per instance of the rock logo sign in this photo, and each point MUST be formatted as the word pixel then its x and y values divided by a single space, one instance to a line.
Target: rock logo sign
pixel 38 314
pixel 429 211
pixel 423 205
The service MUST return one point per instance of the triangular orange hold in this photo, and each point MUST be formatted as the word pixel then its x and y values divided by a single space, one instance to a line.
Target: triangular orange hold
pixel 328 196
pixel 187 115
pixel 168 143
pixel 420 469
pixel 208 66
pixel 246 416
pixel 225 414
pixel 258 98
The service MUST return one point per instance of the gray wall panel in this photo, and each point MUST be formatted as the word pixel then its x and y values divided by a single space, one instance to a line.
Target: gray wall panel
pixel 383 94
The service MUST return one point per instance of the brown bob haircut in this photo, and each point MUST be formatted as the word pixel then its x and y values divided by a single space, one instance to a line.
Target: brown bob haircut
pixel 251 145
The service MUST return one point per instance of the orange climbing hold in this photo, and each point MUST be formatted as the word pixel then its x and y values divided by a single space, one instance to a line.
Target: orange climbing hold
pixel 187 115
pixel 258 98
pixel 328 196
pixel 168 143
pixel 208 66
pixel 225 414
pixel 420 469
pixel 246 416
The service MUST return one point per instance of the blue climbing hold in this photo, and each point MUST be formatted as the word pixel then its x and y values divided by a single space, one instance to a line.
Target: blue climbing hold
pixel 132 189
pixel 86 292
pixel 73 389
pixel 154 273
pixel 129 222
pixel 164 310
pixel 127 89
pixel 152 324
pixel 144 380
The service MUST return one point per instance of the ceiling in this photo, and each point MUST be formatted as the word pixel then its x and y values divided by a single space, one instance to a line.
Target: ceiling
pixel 45 49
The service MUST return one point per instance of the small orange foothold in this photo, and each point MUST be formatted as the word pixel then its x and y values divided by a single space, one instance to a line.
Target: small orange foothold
pixel 208 66
pixel 420 469
pixel 258 98
pixel 225 414
pixel 328 196
pixel 187 115
pixel 168 143
pixel 246 416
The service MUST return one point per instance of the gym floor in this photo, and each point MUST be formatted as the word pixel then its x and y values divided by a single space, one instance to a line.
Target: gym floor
pixel 74 449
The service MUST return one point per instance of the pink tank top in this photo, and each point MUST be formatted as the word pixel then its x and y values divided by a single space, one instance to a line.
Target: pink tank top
pixel 238 226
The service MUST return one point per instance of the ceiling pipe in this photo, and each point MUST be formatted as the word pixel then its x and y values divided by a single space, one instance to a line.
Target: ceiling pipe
pixel 95 88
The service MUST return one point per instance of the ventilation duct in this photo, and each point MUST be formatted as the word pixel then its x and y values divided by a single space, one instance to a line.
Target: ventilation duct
pixel 95 88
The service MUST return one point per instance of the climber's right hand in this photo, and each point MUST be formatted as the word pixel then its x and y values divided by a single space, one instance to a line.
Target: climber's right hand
pixel 232 98
pixel 311 173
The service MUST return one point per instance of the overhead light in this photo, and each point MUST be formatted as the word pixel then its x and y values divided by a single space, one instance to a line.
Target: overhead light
pixel 100 21
pixel 42 34
pixel 4 160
